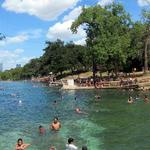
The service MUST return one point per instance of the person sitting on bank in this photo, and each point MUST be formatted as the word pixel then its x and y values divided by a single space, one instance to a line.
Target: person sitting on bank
pixel 130 100
pixel 41 130
pixel 20 145
pixel 55 124
pixel 70 145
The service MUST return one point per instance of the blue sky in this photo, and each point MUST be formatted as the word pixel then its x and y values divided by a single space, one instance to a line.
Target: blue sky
pixel 27 24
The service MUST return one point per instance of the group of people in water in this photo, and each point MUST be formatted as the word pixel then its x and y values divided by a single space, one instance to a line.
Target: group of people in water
pixel 131 100
pixel 69 146
pixel 54 126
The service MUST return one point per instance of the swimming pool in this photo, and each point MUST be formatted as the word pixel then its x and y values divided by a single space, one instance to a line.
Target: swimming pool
pixel 110 123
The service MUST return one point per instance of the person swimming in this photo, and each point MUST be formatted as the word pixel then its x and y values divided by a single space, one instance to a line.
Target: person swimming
pixel 146 100
pixel 56 125
pixel 52 148
pixel 20 145
pixel 130 100
pixel 98 97
pixel 41 130
pixel 55 103
pixel 77 110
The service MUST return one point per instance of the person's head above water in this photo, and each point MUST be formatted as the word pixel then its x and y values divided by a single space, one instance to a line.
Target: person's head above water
pixel 55 119
pixel 41 129
pixel 70 140
pixel 84 148
pixel 52 148
pixel 19 141
pixel 77 109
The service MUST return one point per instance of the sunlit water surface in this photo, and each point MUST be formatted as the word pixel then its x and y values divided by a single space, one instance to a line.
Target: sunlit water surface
pixel 111 124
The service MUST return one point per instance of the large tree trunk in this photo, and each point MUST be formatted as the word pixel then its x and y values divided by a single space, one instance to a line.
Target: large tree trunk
pixel 146 57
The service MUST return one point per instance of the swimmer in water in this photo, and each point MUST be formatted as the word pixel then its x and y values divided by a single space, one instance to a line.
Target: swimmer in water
pixel 56 125
pixel 98 97
pixel 14 95
pixel 84 148
pixel 70 145
pixel 52 148
pixel 79 111
pixel 41 130
pixel 20 145
pixel 20 101
pixel 130 100
pixel 146 100
pixel 55 102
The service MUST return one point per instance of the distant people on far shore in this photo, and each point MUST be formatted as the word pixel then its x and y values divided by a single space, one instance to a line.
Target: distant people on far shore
pixel 130 100
pixel 56 125
pixel 20 145
pixel 70 145
pixel 41 130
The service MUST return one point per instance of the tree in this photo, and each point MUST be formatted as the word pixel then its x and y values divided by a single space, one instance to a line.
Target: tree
pixel 146 37
pixel 108 35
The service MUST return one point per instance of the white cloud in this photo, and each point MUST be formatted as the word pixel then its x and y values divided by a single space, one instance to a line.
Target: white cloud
pixel 32 34
pixel 62 31
pixel 105 2
pixel 43 9
pixel 17 39
pixel 18 51
pixel 13 40
pixel 80 42
pixel 21 37
pixel 143 3
pixel 11 58
pixel 73 14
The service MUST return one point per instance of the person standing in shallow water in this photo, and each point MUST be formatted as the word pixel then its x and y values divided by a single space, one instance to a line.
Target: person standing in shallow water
pixel 20 145
pixel 55 125
pixel 70 145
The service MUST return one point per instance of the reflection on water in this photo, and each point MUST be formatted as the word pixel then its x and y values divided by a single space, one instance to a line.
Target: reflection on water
pixel 110 124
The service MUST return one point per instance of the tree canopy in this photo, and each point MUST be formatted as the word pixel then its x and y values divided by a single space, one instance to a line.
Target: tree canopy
pixel 113 42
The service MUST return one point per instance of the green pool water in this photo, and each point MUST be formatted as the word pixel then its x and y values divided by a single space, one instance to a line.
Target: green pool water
pixel 110 124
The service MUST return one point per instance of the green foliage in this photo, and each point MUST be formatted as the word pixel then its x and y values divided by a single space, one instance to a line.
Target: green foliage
pixel 108 36
pixel 113 42
pixel 13 74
